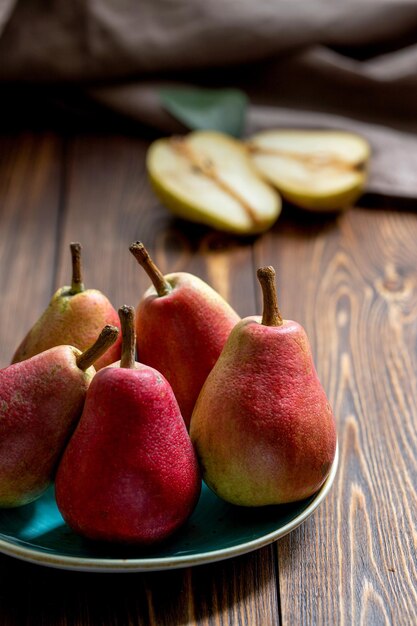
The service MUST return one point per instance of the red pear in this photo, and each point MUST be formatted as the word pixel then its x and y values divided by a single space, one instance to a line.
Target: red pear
pixel 262 426
pixel 41 400
pixel 129 473
pixel 182 325
pixel 74 316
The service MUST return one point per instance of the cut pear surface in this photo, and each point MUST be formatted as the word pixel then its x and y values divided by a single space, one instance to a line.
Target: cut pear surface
pixel 316 170
pixel 208 177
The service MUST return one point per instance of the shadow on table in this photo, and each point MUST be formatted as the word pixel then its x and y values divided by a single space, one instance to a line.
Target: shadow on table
pixel 292 222
pixel 34 594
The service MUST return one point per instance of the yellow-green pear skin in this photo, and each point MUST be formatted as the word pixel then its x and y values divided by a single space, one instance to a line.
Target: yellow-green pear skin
pixel 41 400
pixel 71 320
pixel 317 170
pixel 208 178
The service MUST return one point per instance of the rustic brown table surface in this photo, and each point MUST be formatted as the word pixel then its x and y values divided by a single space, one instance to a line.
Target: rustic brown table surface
pixel 349 279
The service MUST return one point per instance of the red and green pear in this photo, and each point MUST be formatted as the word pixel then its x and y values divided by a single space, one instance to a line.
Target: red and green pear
pixel 182 325
pixel 262 427
pixel 129 474
pixel 41 400
pixel 74 316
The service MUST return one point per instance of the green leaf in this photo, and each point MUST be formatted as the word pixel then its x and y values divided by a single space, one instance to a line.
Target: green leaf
pixel 207 109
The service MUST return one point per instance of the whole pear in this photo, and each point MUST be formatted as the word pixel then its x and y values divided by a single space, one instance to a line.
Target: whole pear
pixel 41 400
pixel 130 473
pixel 182 325
pixel 262 427
pixel 74 316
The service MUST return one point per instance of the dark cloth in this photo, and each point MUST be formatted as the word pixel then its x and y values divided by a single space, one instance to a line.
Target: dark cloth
pixel 349 65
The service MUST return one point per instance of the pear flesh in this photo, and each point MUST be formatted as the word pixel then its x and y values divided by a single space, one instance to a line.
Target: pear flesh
pixel 316 170
pixel 41 400
pixel 129 474
pixel 207 177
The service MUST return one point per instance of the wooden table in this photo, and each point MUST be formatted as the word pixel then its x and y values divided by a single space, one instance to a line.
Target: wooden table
pixel 349 279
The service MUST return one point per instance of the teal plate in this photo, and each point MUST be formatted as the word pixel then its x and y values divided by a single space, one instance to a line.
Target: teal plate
pixel 215 531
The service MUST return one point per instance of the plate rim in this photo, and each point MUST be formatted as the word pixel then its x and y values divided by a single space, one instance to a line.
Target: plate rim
pixel 112 565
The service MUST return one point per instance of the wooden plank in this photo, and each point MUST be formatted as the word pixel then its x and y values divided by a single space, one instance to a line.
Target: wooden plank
pixel 234 592
pixel 30 172
pixel 351 282
pixel 231 593
pixel 40 595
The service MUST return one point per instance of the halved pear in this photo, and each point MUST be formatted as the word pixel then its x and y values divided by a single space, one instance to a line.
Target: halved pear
pixel 208 177
pixel 313 169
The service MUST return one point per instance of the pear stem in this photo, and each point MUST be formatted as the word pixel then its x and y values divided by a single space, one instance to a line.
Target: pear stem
pixel 77 285
pixel 271 315
pixel 141 254
pixel 127 322
pixel 103 342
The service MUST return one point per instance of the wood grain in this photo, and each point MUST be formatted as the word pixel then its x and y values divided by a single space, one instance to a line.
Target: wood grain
pixel 353 286
pixel 350 280
pixel 30 184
